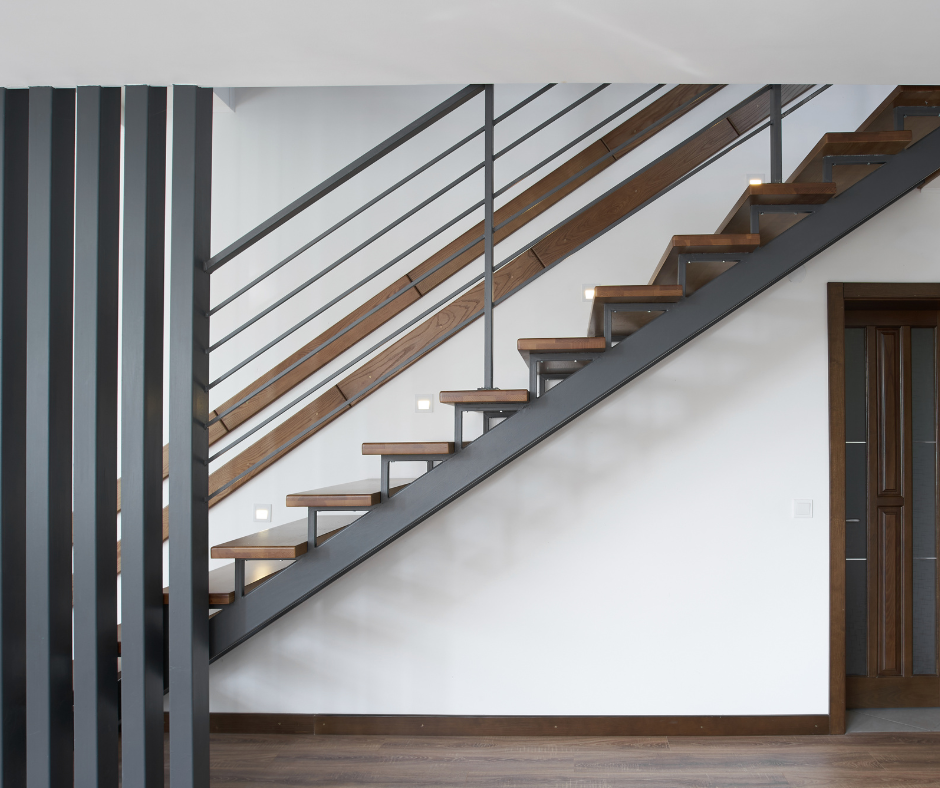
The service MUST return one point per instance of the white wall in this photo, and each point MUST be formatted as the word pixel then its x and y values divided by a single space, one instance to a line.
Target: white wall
pixel 641 561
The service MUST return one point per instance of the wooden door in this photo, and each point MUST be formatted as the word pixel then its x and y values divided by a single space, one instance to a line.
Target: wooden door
pixel 892 592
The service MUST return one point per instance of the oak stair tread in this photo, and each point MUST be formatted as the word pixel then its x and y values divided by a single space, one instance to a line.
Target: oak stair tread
pixel 222 580
pixel 484 396
pixel 738 219
pixel 849 143
pixel 416 448
pixel 282 541
pixel 364 493
pixel 547 346
pixel 625 323
pixel 701 274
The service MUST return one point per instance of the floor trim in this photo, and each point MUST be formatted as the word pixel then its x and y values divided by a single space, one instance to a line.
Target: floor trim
pixel 448 725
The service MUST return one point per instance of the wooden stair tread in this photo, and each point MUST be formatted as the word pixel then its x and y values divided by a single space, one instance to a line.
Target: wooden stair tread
pixel 222 580
pixel 700 274
pixel 559 345
pixel 363 493
pixel 438 447
pixel 484 396
pixel 882 119
pixel 282 541
pixel 738 219
pixel 848 143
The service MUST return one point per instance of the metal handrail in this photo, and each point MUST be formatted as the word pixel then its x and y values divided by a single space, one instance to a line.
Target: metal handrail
pixel 551 120
pixel 388 228
pixel 340 297
pixel 411 359
pixel 615 151
pixel 524 102
pixel 577 139
pixel 336 180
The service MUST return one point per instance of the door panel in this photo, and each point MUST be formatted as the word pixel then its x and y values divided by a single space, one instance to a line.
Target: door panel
pixel 890 589
pixel 888 414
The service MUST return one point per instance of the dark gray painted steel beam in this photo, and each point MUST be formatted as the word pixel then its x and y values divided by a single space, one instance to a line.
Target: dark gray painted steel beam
pixel 488 179
pixel 49 448
pixel 381 150
pixel 568 400
pixel 14 147
pixel 189 437
pixel 142 437
pixel 97 230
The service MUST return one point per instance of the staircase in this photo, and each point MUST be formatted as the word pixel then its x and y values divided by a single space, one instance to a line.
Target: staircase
pixel 773 229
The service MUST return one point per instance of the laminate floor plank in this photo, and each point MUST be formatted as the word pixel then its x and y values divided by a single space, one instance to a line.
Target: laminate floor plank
pixel 863 760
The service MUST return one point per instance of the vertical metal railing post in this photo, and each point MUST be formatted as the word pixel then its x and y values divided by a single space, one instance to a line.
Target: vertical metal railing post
pixel 489 165
pixel 776 134
pixel 49 724
pixel 142 437
pixel 189 437
pixel 97 230
pixel 14 147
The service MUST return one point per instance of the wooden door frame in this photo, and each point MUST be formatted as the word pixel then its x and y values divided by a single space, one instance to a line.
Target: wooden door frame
pixel 871 295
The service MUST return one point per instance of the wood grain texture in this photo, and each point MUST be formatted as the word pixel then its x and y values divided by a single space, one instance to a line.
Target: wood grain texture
pixel 891 291
pixel 633 194
pixel 528 346
pixel 656 110
pixel 700 274
pixel 848 143
pixel 304 370
pixel 836 370
pixel 542 726
pixel 738 219
pixel 282 542
pixel 365 493
pixel 625 323
pixel 423 337
pixel 889 569
pixel 439 447
pixel 863 692
pixel 758 110
pixel 888 412
pixel 222 580
pixel 304 419
pixel 882 119
pixel 483 396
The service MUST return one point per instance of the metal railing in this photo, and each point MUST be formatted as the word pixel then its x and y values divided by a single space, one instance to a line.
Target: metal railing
pixel 774 122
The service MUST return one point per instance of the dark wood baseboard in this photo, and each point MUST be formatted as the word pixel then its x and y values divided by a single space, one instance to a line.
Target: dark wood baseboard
pixel 455 725
pixel 862 692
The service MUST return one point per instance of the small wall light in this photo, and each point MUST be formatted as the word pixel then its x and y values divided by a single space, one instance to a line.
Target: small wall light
pixel 803 508
pixel 263 512
pixel 587 292
pixel 756 179
pixel 424 403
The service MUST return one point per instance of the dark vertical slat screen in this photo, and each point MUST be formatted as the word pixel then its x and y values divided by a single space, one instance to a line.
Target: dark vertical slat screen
pixel 924 451
pixel 14 148
pixel 142 662
pixel 189 437
pixel 97 229
pixel 49 449
pixel 856 502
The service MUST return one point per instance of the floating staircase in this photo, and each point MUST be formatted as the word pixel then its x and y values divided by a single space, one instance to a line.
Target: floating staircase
pixel 700 279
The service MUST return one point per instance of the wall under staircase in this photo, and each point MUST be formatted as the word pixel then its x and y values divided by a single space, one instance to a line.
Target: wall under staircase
pixel 640 561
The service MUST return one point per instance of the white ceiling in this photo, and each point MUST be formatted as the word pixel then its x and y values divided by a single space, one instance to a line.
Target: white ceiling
pixel 360 42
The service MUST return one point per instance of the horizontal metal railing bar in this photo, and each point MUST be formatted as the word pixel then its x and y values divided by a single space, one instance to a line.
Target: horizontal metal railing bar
pixel 619 148
pixel 388 228
pixel 342 222
pixel 307 356
pixel 740 141
pixel 525 101
pixel 576 140
pixel 332 376
pixel 552 119
pixel 340 297
pixel 336 180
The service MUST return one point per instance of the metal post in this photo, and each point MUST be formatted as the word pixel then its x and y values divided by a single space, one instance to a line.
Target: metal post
pixel 189 437
pixel 488 238
pixel 49 449
pixel 97 230
pixel 142 437
pixel 14 147
pixel 776 134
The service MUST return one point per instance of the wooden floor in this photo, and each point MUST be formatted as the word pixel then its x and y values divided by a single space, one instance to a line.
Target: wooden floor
pixel 853 761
